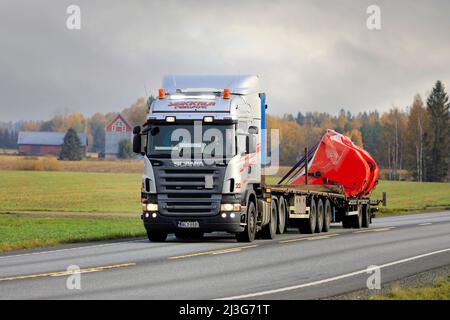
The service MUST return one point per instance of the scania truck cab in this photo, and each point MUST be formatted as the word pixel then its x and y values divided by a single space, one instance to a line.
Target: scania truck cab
pixel 202 146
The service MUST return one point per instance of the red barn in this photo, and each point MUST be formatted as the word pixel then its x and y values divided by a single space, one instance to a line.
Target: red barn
pixel 45 143
pixel 117 130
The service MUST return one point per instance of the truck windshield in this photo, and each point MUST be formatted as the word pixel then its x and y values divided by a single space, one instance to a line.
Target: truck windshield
pixel 206 141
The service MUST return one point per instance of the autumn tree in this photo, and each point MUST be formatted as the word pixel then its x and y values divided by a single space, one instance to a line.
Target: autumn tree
pixel 438 140
pixel 415 137
pixel 394 125
pixel 96 126
pixel 136 114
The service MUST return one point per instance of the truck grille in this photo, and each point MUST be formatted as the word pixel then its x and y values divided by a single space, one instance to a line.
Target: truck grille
pixel 189 191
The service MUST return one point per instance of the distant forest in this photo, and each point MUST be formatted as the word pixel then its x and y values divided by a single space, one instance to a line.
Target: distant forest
pixel 415 139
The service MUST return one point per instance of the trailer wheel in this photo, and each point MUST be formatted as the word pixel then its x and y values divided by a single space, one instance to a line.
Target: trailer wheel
pixel 366 216
pixel 327 217
pixel 308 226
pixel 358 219
pixel 156 236
pixel 269 231
pixel 282 216
pixel 248 235
pixel 320 216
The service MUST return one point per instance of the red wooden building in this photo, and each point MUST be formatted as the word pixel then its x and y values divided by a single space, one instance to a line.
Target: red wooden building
pixel 118 129
pixel 45 143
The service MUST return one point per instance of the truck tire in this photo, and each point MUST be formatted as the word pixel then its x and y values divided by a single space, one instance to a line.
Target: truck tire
pixel 269 231
pixel 320 216
pixel 282 216
pixel 156 236
pixel 327 216
pixel 366 216
pixel 248 235
pixel 357 219
pixel 307 226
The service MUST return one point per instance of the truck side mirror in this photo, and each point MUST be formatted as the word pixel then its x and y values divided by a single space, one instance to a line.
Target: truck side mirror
pixel 137 147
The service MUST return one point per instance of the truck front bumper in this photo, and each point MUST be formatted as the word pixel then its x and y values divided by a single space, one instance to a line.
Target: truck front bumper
pixel 206 224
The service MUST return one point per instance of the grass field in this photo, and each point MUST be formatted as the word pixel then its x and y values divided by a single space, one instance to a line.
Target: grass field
pixel 440 290
pixel 120 192
pixel 108 193
pixel 22 231
pixel 69 191
pixel 413 196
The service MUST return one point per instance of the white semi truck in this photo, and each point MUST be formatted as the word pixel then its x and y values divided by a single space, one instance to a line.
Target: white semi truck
pixel 203 146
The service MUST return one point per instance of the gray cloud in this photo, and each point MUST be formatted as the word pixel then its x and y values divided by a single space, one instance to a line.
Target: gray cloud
pixel 311 55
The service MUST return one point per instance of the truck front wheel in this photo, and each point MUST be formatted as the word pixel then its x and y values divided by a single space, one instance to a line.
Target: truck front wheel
pixel 156 236
pixel 248 235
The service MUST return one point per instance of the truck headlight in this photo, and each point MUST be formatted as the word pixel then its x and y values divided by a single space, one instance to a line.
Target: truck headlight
pixel 150 206
pixel 230 207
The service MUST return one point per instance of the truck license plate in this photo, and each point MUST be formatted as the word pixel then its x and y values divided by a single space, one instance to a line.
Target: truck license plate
pixel 188 224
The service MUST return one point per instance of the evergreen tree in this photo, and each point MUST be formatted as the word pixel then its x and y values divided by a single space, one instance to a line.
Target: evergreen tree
pixel 125 149
pixel 71 149
pixel 438 141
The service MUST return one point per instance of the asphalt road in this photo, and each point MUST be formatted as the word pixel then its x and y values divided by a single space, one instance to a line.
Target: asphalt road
pixel 293 266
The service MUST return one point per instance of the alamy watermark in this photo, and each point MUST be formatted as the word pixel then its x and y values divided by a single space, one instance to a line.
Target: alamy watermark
pixel 73 21
pixel 374 19
pixel 374 280
pixel 73 281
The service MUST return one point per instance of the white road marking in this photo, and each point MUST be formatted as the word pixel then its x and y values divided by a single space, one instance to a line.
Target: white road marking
pixel 344 276
pixel 425 224
pixel 69 249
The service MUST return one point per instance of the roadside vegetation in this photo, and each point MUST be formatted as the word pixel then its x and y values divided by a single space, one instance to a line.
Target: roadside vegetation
pixel 23 191
pixel 25 231
pixel 440 290
pixel 14 162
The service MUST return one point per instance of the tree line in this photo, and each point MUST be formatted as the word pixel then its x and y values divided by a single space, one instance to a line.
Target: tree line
pixel 416 139
pixel 93 127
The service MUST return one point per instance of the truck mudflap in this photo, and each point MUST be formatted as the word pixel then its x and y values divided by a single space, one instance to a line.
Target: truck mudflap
pixel 227 222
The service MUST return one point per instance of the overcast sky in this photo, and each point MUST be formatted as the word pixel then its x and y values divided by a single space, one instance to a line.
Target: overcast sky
pixel 313 55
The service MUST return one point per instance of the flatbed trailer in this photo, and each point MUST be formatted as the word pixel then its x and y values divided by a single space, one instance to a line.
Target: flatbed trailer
pixel 312 208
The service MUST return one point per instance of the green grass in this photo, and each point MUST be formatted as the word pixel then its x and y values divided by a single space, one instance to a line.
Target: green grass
pixel 440 290
pixel 69 191
pixel 22 231
pixel 412 196
pixel 37 191
pixel 119 192
pixel 403 197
